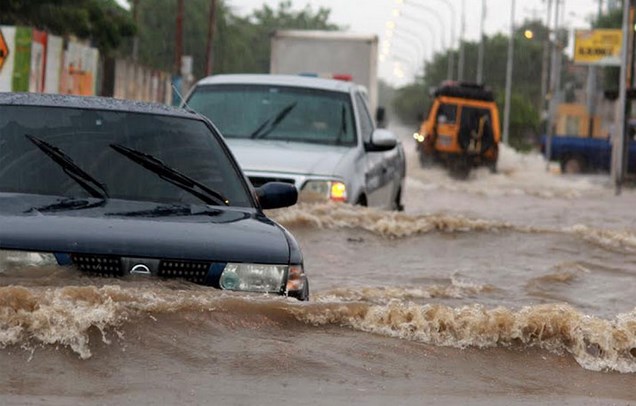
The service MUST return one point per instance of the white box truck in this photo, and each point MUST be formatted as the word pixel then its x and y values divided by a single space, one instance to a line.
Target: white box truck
pixel 334 54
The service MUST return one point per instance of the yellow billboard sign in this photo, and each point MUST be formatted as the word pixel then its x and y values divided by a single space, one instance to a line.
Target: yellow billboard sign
pixel 598 47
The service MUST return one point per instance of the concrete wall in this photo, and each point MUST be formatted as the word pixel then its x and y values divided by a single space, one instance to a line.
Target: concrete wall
pixel 40 62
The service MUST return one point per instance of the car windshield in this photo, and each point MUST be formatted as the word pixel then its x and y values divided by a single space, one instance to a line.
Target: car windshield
pixel 277 113
pixel 87 137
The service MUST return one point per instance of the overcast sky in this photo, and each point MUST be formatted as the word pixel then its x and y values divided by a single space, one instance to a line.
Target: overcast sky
pixel 372 16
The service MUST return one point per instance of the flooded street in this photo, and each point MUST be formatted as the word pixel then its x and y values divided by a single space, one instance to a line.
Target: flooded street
pixel 513 288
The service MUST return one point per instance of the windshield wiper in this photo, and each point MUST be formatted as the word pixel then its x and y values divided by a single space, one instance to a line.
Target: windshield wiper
pixel 171 175
pixel 69 204
pixel 271 123
pixel 167 211
pixel 86 181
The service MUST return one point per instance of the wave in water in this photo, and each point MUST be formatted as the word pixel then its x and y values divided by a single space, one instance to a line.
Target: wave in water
pixel 596 344
pixel 399 225
pixel 66 315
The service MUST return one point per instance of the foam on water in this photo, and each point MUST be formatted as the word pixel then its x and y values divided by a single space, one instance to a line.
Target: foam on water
pixel 596 344
pixel 517 174
pixel 65 316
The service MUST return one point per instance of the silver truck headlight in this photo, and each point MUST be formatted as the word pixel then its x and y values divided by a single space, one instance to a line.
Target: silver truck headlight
pixel 10 259
pixel 320 190
pixel 262 278
pixel 253 277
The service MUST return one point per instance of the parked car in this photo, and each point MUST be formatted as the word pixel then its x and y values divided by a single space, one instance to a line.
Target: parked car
pixel 314 133
pixel 119 188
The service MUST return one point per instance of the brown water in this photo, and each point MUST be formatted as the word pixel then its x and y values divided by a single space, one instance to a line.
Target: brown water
pixel 512 288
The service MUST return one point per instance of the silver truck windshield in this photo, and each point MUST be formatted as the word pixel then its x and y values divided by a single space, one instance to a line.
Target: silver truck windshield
pixel 277 113
pixel 35 140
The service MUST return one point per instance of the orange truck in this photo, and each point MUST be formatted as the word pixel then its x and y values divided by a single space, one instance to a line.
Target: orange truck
pixel 461 130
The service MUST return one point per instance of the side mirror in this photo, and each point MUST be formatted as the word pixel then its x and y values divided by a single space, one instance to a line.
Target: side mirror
pixel 380 115
pixel 382 140
pixel 274 195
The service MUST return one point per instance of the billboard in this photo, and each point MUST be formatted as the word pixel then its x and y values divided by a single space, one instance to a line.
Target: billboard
pixel 38 61
pixel 8 54
pixel 22 59
pixel 598 47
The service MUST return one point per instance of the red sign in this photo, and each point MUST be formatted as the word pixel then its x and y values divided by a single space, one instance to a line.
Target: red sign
pixel 4 50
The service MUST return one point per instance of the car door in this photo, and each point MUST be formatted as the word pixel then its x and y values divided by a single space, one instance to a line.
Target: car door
pixel 378 172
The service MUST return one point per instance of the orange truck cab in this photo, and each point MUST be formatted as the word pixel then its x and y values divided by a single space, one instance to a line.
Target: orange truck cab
pixel 462 129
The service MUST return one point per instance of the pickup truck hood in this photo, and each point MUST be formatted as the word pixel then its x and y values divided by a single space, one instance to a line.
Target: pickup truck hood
pixel 287 157
pixel 220 235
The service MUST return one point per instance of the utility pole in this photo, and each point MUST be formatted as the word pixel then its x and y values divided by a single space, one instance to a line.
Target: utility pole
pixel 511 41
pixel 460 71
pixel 209 54
pixel 555 84
pixel 480 51
pixel 135 13
pixel 591 89
pixel 547 44
pixel 178 42
pixel 618 137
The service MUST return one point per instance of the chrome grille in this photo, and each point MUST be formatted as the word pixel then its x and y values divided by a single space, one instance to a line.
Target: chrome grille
pixel 102 265
pixel 190 270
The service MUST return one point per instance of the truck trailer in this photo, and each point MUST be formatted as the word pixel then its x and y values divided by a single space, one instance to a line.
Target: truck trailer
pixel 330 54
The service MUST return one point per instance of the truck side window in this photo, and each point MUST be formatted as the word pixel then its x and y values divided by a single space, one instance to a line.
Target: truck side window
pixel 366 123
pixel 446 114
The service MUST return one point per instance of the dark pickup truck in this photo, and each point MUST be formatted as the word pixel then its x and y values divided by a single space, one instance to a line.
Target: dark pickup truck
pixel 581 154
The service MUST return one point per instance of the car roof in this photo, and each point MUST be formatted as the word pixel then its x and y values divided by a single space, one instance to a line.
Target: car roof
pixel 280 80
pixel 91 103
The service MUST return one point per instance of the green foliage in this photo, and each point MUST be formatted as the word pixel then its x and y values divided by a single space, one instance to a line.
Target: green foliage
pixel 526 91
pixel 612 19
pixel 104 22
pixel 524 122
pixel 242 44
pixel 411 102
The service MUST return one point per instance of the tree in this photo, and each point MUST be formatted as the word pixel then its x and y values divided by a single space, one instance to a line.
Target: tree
pixel 241 44
pixel 103 22
pixel 611 19
pixel 526 92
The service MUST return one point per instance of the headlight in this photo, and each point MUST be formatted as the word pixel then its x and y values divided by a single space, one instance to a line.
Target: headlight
pixel 320 190
pixel 419 137
pixel 16 259
pixel 262 278
pixel 253 277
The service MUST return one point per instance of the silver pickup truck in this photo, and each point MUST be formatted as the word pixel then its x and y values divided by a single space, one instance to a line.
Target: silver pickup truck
pixel 315 133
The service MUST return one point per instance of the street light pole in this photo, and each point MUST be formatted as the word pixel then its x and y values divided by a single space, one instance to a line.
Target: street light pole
pixel 209 53
pixel 618 137
pixel 451 55
pixel 506 129
pixel 555 83
pixel 419 21
pixel 449 72
pixel 480 52
pixel 544 66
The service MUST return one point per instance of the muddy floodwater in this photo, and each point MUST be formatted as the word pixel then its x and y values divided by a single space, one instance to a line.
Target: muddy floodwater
pixel 514 288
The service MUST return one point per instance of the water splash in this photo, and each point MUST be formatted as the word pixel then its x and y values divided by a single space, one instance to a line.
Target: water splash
pixel 400 225
pixel 596 344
